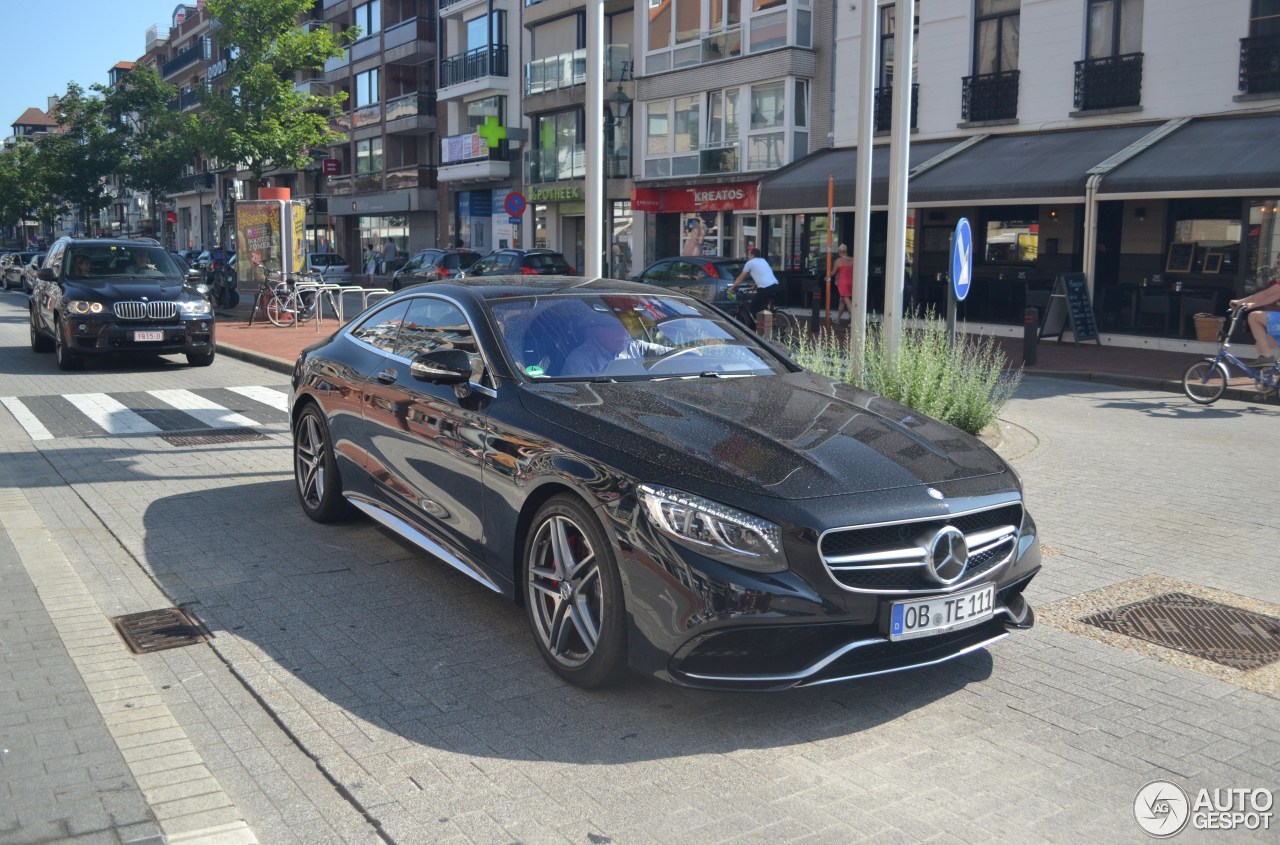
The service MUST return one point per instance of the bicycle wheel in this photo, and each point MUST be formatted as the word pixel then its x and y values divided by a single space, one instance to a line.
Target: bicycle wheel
pixel 786 328
pixel 1205 381
pixel 280 313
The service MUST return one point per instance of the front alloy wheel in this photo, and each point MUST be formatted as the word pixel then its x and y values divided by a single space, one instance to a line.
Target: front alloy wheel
pixel 66 359
pixel 316 470
pixel 573 595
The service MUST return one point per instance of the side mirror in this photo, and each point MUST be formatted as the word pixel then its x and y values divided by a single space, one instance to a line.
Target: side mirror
pixel 443 366
pixel 194 275
pixel 46 275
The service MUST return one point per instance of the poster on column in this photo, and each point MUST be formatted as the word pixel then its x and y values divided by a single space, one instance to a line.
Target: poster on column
pixel 259 236
pixel 299 229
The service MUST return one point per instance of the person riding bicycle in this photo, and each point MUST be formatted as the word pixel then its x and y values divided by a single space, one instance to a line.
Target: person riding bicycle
pixel 762 275
pixel 1265 325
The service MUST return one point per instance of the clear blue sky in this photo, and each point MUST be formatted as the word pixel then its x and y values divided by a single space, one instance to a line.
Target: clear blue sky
pixel 49 43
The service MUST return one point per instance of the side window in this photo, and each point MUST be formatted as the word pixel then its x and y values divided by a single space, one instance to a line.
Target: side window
pixel 432 324
pixel 55 259
pixel 382 328
pixel 658 274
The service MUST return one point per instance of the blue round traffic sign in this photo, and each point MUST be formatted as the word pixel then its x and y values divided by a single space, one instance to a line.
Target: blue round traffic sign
pixel 514 203
pixel 962 259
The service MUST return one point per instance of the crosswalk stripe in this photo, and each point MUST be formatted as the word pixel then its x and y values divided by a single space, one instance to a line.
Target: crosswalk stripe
pixel 207 412
pixel 26 419
pixel 112 416
pixel 275 398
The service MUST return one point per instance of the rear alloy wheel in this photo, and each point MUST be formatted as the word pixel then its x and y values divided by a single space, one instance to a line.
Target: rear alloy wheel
pixel 67 360
pixel 573 595
pixel 39 343
pixel 315 469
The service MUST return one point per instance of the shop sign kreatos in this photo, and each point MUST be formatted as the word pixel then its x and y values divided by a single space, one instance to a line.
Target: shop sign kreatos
pixel 739 197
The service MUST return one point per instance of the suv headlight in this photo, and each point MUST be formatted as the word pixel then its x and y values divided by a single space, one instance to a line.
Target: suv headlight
pixel 80 306
pixel 715 530
pixel 194 308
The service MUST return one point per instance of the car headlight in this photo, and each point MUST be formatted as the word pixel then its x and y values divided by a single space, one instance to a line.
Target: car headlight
pixel 80 306
pixel 194 308
pixel 715 530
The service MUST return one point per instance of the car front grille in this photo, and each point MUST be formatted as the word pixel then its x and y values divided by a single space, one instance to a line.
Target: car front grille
pixel 889 559
pixel 146 310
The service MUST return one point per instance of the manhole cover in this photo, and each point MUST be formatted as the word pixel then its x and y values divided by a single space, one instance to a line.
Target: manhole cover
pixel 1218 632
pixel 157 630
pixel 212 437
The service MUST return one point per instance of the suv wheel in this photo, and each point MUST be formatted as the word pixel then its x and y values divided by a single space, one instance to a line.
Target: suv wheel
pixel 67 360
pixel 200 359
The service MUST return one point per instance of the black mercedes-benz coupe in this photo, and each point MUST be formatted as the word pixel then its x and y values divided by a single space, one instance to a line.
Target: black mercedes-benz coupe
pixel 660 488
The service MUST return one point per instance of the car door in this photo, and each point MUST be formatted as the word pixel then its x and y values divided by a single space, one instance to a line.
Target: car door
pixel 429 441
pixel 690 278
pixel 49 294
pixel 486 266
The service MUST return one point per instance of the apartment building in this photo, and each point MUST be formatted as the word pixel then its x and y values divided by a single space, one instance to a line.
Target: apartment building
pixel 1125 139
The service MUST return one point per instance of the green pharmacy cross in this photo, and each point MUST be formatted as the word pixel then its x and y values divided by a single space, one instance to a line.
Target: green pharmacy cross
pixel 492 132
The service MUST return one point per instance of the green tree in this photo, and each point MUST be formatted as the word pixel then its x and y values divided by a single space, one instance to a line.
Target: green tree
pixel 258 119
pixel 86 149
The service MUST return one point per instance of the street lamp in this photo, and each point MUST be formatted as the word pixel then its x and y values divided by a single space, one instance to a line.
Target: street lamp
pixel 619 108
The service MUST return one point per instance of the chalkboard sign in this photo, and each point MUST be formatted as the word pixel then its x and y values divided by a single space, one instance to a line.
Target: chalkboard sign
pixel 1069 306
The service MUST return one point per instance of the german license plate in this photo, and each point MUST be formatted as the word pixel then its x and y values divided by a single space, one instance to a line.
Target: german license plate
pixel 141 336
pixel 940 614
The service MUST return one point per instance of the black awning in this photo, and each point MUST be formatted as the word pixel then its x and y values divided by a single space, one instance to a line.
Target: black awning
pixel 1051 165
pixel 1227 155
pixel 802 186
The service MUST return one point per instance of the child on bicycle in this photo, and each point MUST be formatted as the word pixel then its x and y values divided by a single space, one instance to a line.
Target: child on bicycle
pixel 1265 324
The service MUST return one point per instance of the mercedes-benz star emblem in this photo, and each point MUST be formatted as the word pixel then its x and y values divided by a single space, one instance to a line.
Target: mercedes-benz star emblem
pixel 566 591
pixel 947 555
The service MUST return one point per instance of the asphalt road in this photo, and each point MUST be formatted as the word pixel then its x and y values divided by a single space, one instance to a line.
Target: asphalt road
pixel 355 691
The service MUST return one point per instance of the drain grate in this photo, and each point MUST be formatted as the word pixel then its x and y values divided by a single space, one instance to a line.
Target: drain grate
pixel 212 437
pixel 157 630
pixel 1218 632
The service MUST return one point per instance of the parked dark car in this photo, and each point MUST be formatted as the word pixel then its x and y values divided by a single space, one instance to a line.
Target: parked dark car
pixel 706 278
pixel 102 297
pixel 520 262
pixel 11 267
pixel 431 265
pixel 29 271
pixel 659 487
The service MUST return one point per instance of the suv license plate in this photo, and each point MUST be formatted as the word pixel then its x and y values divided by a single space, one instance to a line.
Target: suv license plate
pixel 141 336
pixel 940 614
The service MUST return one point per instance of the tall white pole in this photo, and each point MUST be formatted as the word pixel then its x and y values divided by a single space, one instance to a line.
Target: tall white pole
pixel 594 222
pixel 899 149
pixel 862 186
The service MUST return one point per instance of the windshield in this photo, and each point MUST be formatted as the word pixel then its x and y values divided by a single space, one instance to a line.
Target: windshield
pixel 328 260
pixel 624 337
pixel 116 262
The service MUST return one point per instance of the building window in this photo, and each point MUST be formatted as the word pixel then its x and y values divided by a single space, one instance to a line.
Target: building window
pixel 479 110
pixel 367 91
pixel 1012 235
pixel 683 33
pixel 1264 18
pixel 1115 28
pixel 368 16
pixel 487 30
pixel 369 156
pixel 996 36
pixel 560 152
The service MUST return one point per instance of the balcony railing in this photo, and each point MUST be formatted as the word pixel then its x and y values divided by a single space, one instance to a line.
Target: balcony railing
pixel 474 64
pixel 570 69
pixel 314 87
pixel 355 183
pixel 185 100
pixel 883 105
pixel 185 59
pixel 460 149
pixel 990 96
pixel 413 29
pixel 411 105
pixel 1260 65
pixel 413 176
pixel 338 62
pixel 1110 82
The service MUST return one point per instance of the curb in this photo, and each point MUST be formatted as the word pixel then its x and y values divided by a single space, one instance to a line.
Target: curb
pixel 1242 394
pixel 271 362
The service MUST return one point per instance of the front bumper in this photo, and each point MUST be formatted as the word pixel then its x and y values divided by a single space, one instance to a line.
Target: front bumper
pixel 87 337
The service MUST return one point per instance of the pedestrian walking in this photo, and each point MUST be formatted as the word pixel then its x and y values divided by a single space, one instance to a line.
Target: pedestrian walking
pixel 844 282
pixel 370 259
pixel 388 256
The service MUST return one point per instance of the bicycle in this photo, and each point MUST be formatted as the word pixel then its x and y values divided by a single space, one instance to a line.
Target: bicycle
pixel 786 328
pixel 1205 381
pixel 285 304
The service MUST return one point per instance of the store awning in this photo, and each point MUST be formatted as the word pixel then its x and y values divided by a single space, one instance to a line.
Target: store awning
pixel 802 186
pixel 1238 155
pixel 1047 166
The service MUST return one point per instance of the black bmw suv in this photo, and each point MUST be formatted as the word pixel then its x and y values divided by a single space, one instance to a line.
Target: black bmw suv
pixel 102 297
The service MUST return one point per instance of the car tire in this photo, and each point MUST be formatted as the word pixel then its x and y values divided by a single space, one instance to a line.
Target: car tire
pixel 573 595
pixel 200 359
pixel 67 360
pixel 39 343
pixel 315 470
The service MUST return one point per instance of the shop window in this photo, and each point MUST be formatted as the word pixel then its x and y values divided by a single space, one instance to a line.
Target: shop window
pixel 1012 236
pixel 1262 265
pixel 1205 237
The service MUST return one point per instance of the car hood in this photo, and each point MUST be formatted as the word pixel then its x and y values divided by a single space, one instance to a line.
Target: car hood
pixel 125 290
pixel 793 436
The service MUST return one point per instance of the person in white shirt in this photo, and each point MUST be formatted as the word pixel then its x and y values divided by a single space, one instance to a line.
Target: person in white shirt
pixel 762 275
pixel 388 256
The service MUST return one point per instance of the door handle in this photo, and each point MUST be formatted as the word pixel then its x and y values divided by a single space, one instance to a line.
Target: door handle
pixel 388 376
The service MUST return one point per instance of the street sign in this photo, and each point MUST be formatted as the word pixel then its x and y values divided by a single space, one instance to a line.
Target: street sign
pixel 515 221
pixel 515 205
pixel 331 167
pixel 962 259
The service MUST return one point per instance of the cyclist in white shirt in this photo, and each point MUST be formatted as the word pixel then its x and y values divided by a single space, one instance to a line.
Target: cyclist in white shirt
pixel 762 275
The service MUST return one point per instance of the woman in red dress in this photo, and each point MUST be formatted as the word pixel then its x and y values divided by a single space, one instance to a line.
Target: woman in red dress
pixel 844 282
